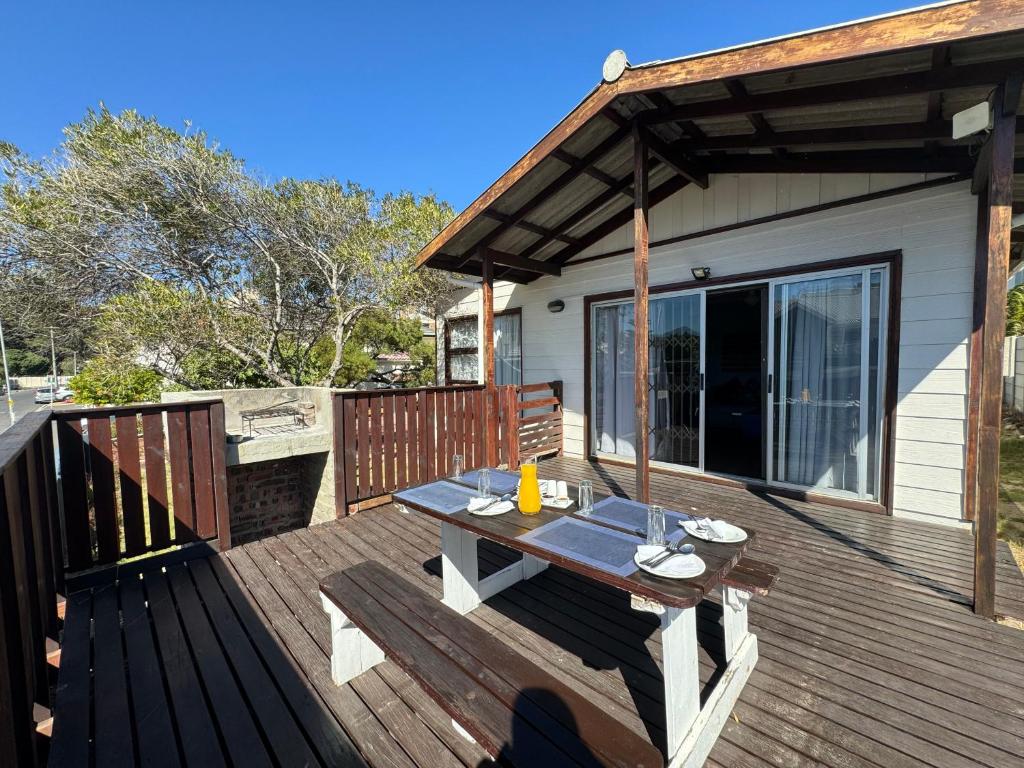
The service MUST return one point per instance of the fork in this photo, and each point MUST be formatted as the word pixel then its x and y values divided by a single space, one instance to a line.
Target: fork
pixel 679 548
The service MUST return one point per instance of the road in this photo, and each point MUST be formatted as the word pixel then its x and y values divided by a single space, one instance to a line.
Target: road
pixel 22 405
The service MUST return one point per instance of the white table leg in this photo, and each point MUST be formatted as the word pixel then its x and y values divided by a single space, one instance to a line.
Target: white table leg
pixel 682 681
pixel 459 569
pixel 734 619
pixel 352 652
pixel 691 730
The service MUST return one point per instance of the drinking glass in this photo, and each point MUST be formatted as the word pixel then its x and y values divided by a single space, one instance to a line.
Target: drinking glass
pixel 458 464
pixel 655 525
pixel 483 483
pixel 586 498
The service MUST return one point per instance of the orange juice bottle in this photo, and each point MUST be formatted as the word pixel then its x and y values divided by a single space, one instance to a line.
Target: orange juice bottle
pixel 529 488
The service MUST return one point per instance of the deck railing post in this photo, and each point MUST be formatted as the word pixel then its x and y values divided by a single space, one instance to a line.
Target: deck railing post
pixel 997 257
pixel 340 465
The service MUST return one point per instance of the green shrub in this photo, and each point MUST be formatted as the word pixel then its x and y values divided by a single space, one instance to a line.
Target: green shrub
pixel 105 383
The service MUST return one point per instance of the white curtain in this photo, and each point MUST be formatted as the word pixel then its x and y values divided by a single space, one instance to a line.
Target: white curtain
pixel 508 360
pixel 819 406
pixel 614 426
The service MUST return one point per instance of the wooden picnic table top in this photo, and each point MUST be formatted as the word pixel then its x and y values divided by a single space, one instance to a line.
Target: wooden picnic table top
pixel 506 529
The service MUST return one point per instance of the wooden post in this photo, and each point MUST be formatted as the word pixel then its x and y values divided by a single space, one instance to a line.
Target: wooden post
pixel 997 256
pixel 340 484
pixel 490 392
pixel 641 238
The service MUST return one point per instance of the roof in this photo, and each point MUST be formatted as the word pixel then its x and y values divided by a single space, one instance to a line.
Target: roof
pixel 876 94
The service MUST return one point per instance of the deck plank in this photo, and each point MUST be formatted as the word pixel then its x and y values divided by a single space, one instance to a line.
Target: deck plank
pixel 869 653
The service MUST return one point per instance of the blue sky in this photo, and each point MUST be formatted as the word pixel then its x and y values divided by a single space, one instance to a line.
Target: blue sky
pixel 424 96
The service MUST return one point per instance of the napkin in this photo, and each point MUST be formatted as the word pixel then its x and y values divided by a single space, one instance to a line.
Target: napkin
pixel 719 528
pixel 479 502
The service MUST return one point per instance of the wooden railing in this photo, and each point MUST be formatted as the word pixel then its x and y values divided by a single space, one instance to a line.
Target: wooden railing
pixel 386 440
pixel 82 488
pixel 530 421
pixel 31 580
pixel 141 479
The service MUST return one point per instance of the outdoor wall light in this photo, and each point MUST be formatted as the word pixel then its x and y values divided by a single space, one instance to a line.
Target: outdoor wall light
pixel 701 273
pixel 556 306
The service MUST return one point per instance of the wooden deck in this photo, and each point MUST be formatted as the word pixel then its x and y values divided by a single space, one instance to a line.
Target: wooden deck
pixel 869 653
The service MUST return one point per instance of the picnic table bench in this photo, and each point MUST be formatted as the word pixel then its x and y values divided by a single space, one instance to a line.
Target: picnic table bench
pixel 512 708
pixel 600 546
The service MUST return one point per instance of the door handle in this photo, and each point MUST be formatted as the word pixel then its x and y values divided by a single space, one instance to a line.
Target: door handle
pixel 769 383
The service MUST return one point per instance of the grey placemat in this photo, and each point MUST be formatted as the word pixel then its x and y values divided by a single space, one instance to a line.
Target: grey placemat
pixel 441 496
pixel 502 482
pixel 603 548
pixel 631 516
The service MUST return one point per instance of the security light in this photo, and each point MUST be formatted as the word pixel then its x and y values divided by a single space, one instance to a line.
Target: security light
pixel 701 273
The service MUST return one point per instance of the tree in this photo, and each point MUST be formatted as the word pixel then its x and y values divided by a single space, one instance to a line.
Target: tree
pixel 25 362
pixel 1015 311
pixel 260 272
pixel 100 384
pixel 377 334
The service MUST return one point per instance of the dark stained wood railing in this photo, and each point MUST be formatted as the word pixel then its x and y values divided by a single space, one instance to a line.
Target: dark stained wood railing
pixel 530 421
pixel 142 478
pixel 386 440
pixel 31 582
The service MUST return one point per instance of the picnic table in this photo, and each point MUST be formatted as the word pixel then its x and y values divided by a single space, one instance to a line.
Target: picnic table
pixel 601 547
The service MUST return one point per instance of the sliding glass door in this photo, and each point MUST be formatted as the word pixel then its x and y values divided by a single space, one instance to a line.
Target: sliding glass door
pixel 826 409
pixel 817 380
pixel 674 354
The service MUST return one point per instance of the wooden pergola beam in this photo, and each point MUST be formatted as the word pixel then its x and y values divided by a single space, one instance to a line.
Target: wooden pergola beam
pixel 556 185
pixel 623 185
pixel 536 229
pixel 673 157
pixel 932 129
pixel 620 219
pixel 994 249
pixel 641 239
pixel 869 88
pixel 762 128
pixel 520 262
pixel 595 173
pixel 952 160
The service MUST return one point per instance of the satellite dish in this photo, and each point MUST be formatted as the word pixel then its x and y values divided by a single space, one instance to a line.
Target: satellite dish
pixel 614 66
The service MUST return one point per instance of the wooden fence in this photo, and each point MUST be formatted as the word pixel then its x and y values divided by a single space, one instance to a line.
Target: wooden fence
pixel 530 421
pixel 31 578
pixel 141 479
pixel 389 440
pixel 386 440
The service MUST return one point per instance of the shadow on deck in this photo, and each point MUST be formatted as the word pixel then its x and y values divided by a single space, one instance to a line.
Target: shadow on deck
pixel 870 655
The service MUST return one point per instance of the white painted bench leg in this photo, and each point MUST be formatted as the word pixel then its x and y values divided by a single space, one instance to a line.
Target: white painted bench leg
pixel 352 652
pixel 459 569
pixel 532 566
pixel 734 619
pixel 682 681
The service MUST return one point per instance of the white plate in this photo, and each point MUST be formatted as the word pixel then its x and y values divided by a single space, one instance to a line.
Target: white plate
pixel 676 567
pixel 734 535
pixel 551 501
pixel 498 509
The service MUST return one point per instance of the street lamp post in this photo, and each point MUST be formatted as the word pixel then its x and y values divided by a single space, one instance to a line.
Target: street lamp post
pixel 7 377
pixel 53 360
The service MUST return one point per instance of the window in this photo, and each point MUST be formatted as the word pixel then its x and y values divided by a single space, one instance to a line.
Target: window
pixel 461 349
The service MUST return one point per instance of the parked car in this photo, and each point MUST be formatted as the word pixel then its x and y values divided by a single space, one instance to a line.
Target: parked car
pixel 49 395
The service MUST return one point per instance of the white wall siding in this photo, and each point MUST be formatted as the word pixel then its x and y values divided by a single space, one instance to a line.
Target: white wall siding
pixel 933 227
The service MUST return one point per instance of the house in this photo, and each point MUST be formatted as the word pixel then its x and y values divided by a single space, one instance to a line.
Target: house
pixel 818 267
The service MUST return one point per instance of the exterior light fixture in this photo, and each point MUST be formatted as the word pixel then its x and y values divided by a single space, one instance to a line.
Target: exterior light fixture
pixel 701 273
pixel 556 306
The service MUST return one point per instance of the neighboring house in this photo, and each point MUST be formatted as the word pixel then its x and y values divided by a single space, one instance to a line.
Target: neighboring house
pixel 812 266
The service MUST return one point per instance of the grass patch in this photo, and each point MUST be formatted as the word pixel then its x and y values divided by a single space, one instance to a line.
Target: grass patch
pixel 1011 489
